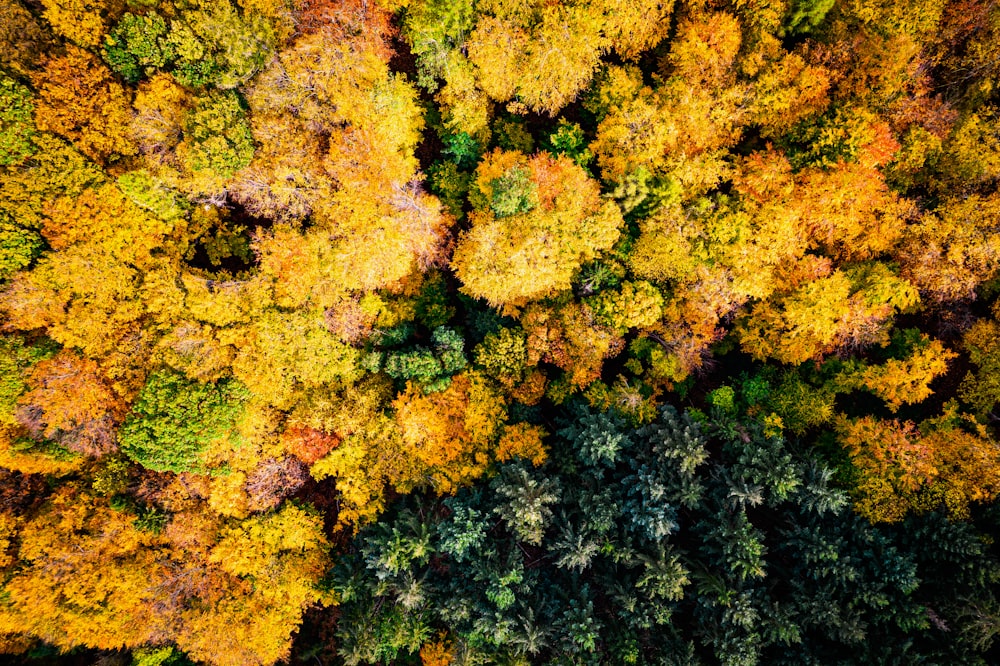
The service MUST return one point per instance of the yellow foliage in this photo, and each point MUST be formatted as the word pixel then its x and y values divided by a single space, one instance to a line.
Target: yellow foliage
pixel 452 433
pixel 196 350
pixel 950 461
pixel 223 302
pixel 635 26
pixel 80 295
pixel 438 652
pixel 69 401
pixel 465 107
pixel 228 497
pixel 22 37
pixel 51 461
pixel 635 132
pixel 87 576
pixel 636 304
pixel 955 249
pixel 850 211
pixel 570 337
pixel 533 253
pixel 543 62
pixel 79 99
pixel 522 440
pixel 838 310
pixel 106 217
pixel 8 533
pixel 369 455
pixel 160 107
pixel 284 552
pixel 786 88
pixel 285 351
pixel 704 49
pixel 81 21
pixel 907 381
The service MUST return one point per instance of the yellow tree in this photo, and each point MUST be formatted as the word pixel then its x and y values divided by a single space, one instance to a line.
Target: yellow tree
pixel 79 99
pixel 158 123
pixel 981 388
pixel 907 381
pixel 571 337
pixel 83 297
pixel 537 220
pixel 285 352
pixel 541 58
pixel 681 127
pixel 277 559
pixel 954 249
pixel 453 434
pixel 106 218
pixel 70 401
pixel 81 21
pixel 949 461
pixel 846 308
pixel 23 39
pixel 373 223
pixel 850 212
pixel 635 27
pixel 367 455
pixel 97 577
pixel 87 576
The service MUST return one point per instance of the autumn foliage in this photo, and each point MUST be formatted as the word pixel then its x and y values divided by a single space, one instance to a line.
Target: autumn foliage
pixel 276 274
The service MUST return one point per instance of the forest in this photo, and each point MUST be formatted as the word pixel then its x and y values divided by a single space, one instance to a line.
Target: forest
pixel 516 332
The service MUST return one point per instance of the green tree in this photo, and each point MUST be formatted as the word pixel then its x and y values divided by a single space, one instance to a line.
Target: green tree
pixel 136 46
pixel 16 124
pixel 174 421
pixel 217 135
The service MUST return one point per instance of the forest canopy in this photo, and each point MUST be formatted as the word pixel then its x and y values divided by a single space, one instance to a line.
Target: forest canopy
pixel 513 332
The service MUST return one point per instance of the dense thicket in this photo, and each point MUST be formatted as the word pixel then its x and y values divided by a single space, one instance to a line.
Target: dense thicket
pixel 499 331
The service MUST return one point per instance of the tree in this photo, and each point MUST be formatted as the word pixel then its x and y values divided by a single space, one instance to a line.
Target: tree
pixel 287 352
pixel 16 124
pixel 806 15
pixel 433 29
pixel 634 305
pixel 840 309
pixel 907 380
pixel 106 218
pixel 87 576
pixel 430 368
pixel 635 27
pixel 278 560
pixel 136 46
pixel 543 61
pixel 451 433
pixel 954 249
pixel 980 388
pixel 949 462
pixel 70 401
pixel 517 251
pixel 570 336
pixel 160 110
pixel 80 295
pixel 524 503
pixel 215 44
pixel 363 193
pixel 23 40
pixel 18 246
pixel 272 481
pixel 217 137
pixel 81 21
pixel 174 421
pixel 80 100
